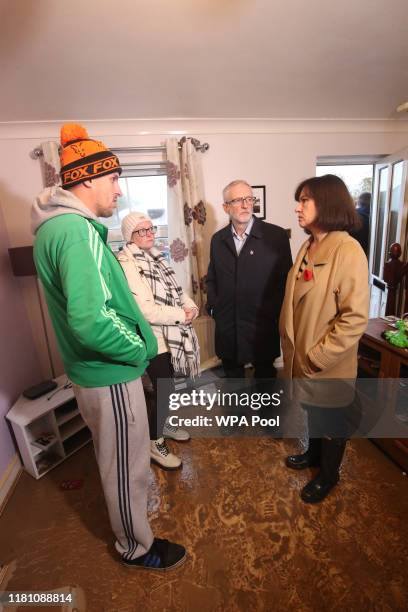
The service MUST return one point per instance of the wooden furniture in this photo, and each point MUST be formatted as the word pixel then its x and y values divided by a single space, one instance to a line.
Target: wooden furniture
pixel 53 416
pixel 379 358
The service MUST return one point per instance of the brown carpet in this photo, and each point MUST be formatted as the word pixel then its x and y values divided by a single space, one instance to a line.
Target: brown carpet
pixel 253 545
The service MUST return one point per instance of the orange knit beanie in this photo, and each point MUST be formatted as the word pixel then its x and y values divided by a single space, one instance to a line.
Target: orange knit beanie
pixel 82 158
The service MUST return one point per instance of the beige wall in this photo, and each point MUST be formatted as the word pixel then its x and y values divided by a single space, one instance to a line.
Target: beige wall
pixel 19 367
pixel 277 154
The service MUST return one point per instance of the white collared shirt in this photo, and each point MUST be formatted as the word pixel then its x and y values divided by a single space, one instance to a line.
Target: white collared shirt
pixel 239 241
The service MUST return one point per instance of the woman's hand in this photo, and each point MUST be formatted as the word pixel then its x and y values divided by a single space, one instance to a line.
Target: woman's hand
pixel 311 367
pixel 191 314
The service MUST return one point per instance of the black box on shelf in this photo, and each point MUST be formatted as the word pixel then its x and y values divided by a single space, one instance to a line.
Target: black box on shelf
pixel 44 441
pixel 40 389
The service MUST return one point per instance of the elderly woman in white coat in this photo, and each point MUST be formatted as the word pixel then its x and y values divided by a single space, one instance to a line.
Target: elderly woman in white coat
pixel 170 313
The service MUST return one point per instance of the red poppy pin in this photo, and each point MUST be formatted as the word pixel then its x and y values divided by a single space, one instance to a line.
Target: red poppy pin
pixel 307 274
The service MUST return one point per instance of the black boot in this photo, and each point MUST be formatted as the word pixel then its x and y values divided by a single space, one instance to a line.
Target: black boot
pixel 318 488
pixel 311 458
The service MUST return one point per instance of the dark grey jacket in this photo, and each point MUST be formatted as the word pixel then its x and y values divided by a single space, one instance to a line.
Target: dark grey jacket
pixel 245 292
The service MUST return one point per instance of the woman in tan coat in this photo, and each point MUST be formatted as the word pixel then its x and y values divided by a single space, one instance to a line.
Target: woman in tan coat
pixel 170 312
pixel 323 317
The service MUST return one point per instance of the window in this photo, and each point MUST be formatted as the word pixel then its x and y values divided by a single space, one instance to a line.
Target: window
pixel 358 177
pixel 143 191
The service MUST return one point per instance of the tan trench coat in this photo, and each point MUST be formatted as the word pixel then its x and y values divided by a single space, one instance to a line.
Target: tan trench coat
pixel 330 315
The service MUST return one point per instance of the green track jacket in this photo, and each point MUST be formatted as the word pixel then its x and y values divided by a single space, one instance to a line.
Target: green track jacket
pixel 102 335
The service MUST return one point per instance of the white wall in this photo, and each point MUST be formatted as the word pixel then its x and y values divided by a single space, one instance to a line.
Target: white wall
pixel 277 154
pixel 19 367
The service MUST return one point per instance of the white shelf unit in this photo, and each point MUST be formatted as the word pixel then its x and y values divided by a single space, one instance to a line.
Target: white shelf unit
pixel 54 413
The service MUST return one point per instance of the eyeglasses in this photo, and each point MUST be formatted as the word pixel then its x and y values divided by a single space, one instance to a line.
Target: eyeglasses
pixel 143 232
pixel 250 200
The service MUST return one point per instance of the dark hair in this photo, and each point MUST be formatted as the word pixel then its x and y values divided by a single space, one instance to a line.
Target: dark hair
pixel 364 199
pixel 334 204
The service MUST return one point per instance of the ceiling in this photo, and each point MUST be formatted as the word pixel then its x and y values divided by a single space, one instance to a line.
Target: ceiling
pixel 127 59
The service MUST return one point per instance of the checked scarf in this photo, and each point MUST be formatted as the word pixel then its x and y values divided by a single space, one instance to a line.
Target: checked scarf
pixel 181 339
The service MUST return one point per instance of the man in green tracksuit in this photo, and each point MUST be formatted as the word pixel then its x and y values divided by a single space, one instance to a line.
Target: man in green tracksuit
pixel 104 340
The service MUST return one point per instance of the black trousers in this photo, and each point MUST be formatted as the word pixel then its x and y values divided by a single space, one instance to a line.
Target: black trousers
pixel 262 369
pixel 341 422
pixel 328 453
pixel 160 367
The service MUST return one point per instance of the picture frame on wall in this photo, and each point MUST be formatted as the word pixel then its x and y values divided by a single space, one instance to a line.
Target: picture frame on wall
pixel 259 192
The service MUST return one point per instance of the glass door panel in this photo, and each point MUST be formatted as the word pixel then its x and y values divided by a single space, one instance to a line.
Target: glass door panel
pixel 395 206
pixel 381 211
pixel 389 223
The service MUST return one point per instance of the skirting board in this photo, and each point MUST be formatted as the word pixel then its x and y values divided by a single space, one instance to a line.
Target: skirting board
pixel 210 363
pixel 8 480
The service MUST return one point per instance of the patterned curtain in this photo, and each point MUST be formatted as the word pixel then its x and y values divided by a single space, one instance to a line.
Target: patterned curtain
pixel 186 217
pixel 50 163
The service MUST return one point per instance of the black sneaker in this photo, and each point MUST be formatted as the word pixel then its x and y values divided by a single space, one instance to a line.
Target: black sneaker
pixel 162 555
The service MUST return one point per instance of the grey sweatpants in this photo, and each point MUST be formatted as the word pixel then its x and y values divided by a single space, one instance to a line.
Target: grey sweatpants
pixel 117 418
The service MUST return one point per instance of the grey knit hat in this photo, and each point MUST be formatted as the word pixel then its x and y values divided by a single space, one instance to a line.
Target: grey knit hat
pixel 130 222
